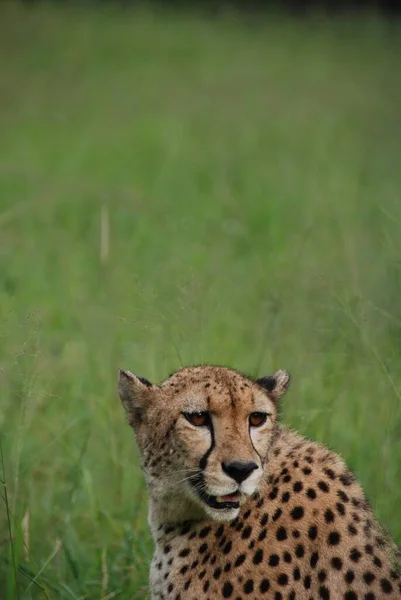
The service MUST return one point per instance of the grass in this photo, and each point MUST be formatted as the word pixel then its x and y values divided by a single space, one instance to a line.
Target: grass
pixel 176 190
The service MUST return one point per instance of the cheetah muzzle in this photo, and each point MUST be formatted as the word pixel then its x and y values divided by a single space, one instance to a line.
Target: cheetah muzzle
pixel 240 506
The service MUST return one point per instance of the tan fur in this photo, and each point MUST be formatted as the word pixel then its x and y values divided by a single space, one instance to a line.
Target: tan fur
pixel 303 530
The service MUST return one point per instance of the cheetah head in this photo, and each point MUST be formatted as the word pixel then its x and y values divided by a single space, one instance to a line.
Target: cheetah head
pixel 204 436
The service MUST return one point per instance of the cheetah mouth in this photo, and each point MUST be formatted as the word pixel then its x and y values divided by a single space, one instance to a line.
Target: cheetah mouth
pixel 228 501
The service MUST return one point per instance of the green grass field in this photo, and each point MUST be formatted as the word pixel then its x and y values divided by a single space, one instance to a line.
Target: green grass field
pixel 176 190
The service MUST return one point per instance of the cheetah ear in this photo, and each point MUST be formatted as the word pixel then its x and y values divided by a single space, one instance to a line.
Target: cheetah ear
pixel 134 393
pixel 276 385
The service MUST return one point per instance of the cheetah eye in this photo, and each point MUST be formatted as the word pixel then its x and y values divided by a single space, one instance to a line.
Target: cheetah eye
pixel 257 419
pixel 199 419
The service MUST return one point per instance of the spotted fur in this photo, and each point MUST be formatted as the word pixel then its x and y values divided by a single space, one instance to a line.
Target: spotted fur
pixel 298 527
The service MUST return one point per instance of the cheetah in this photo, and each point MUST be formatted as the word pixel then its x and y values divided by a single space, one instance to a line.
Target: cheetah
pixel 242 507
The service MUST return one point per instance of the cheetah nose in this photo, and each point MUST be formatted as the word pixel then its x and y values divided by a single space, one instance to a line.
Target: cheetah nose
pixel 239 470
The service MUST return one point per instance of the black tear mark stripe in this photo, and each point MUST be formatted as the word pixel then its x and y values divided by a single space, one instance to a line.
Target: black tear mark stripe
pixel 203 460
pixel 250 437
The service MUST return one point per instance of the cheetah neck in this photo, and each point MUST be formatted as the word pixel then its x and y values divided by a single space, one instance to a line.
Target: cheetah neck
pixel 172 509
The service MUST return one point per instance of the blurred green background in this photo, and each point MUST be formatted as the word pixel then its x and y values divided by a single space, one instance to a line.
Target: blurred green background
pixel 177 189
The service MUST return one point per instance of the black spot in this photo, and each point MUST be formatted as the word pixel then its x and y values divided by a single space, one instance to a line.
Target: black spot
pixel 322 575
pixel 248 586
pixel 246 533
pixel 217 574
pixel 310 492
pixel 330 473
pixel 264 585
pixel 352 530
pixel 307 582
pixel 258 557
pixel 350 596
pixel 227 567
pixel 296 534
pixel 313 559
pixel 324 593
pixel 355 555
pixel 347 479
pixel 246 514
pixel 296 574
pixel 203 548
pixel 183 553
pixel 292 595
pixel 194 564
pixel 262 535
pixel 312 533
pixel 282 579
pixel 377 562
pixel 227 590
pixel 333 539
pixel 187 584
pixel 260 503
pixel 219 531
pixel 206 586
pixel 369 596
pixel 274 560
pixel 273 493
pixel 298 486
pixel 295 464
pixel 278 596
pixel 369 549
pixel 227 548
pixel 185 529
pixel 300 551
pixel 322 485
pixel 264 519
pixel 287 557
pixel 329 516
pixel 287 478
pixel 306 471
pixel 343 496
pixel 386 586
pixel 170 588
pixel 281 534
pixel 340 508
pixel 204 532
pixel 202 574
pixel 184 569
pixel 368 577
pixel 297 513
pixel 285 497
pixel 337 563
pixel 240 559
pixel 277 514
pixel 349 576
